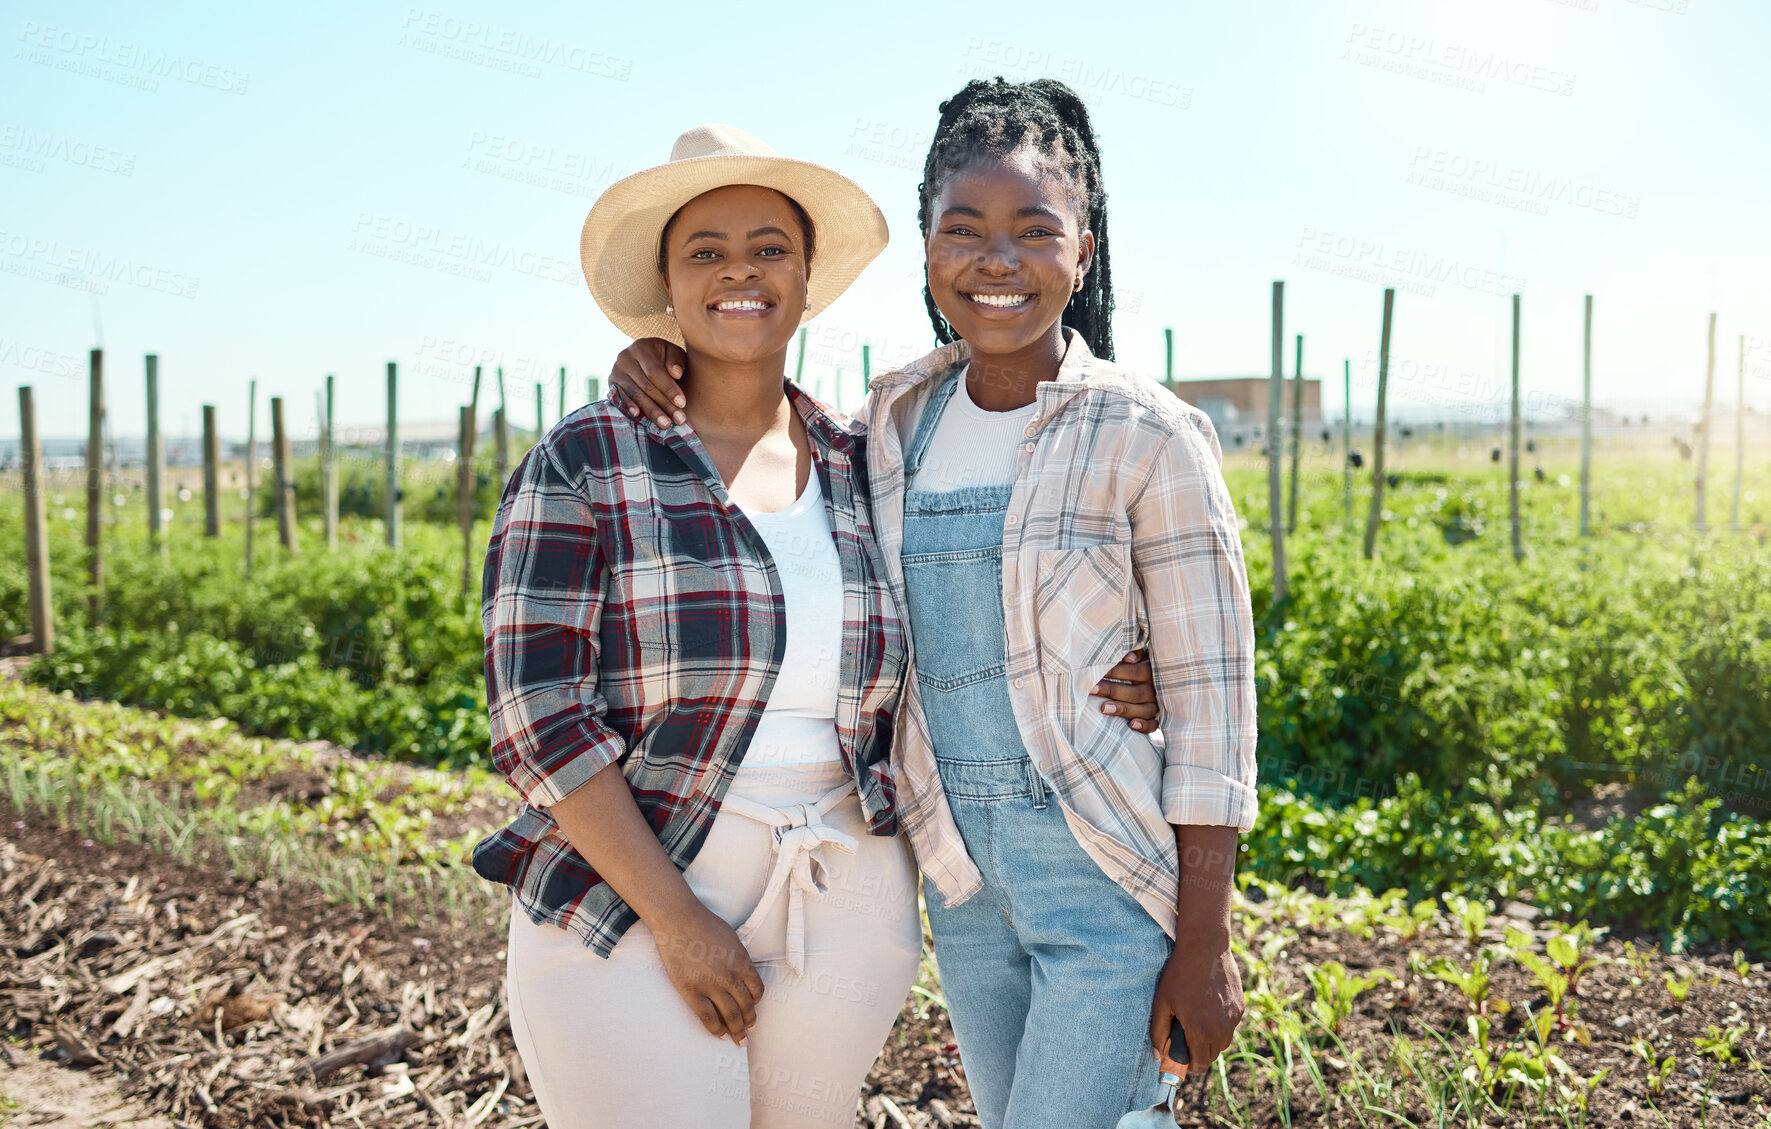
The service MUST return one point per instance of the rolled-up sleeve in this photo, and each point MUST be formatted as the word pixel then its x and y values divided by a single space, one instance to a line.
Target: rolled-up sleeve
pixel 1188 557
pixel 541 606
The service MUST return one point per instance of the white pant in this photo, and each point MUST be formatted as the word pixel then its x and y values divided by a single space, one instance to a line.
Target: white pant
pixel 608 1043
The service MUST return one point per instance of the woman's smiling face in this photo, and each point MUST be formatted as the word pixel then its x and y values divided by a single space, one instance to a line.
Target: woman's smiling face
pixel 1005 250
pixel 734 262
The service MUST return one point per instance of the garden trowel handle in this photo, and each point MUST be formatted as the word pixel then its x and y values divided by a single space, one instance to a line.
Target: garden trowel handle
pixel 1177 1044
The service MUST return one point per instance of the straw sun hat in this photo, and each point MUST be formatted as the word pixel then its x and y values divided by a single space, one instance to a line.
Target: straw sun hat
pixel 619 248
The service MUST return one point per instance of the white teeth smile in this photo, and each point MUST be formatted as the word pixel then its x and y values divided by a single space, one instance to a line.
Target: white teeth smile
pixel 741 304
pixel 1001 301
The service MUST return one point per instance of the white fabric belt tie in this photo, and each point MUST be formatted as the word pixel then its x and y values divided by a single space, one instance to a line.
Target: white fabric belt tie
pixel 799 868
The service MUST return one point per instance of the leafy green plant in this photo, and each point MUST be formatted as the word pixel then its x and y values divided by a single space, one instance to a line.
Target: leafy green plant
pixel 1719 1044
pixel 1559 975
pixel 1337 989
pixel 1473 981
pixel 1659 1072
pixel 1680 986
pixel 1638 962
pixel 1408 923
pixel 1471 914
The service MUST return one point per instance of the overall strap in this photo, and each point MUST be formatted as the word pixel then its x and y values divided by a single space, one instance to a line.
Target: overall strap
pixel 925 428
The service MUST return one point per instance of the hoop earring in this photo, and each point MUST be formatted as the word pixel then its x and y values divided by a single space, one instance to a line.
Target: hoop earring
pixel 1078 285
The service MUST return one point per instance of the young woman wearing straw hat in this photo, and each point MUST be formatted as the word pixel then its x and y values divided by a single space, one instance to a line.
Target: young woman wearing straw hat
pixel 721 932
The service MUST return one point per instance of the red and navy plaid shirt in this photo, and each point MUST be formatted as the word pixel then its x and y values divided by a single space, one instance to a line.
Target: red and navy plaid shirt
pixel 633 615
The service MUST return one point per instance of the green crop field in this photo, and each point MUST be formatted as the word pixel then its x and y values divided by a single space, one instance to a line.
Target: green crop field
pixel 1578 738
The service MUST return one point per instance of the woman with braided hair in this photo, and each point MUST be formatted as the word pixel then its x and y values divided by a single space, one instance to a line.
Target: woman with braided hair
pixel 1042 512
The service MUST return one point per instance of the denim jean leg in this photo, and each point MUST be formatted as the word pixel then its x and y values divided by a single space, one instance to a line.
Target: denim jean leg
pixel 1084 1057
pixel 986 978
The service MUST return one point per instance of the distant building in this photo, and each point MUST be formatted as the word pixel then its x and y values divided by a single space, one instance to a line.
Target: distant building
pixel 1237 406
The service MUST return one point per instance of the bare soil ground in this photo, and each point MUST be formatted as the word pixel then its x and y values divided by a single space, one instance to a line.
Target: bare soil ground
pixel 192 994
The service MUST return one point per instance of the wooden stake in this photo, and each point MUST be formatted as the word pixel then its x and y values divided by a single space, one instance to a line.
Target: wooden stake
pixel 501 435
pixel 320 456
pixel 1739 433
pixel 36 531
pixel 211 474
pixel 329 471
pixel 464 494
pixel 1586 420
pixel 284 481
pixel 501 426
pixel 393 458
pixel 95 487
pixel 251 466
pixel 1297 432
pixel 156 460
pixel 1703 432
pixel 1377 431
pixel 1513 448
pixel 1347 437
pixel 1275 397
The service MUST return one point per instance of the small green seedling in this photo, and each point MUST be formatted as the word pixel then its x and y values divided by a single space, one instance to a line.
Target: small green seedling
pixel 1579 1095
pixel 1336 989
pixel 1638 962
pixel 1719 1044
pixel 1471 981
pixel 1408 924
pixel 1471 913
pixel 1549 977
pixel 1657 1074
pixel 1680 987
pixel 1533 1067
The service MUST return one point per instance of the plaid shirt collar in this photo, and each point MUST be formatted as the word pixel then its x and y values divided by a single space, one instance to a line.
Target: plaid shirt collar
pixel 838 433
pixel 1074 372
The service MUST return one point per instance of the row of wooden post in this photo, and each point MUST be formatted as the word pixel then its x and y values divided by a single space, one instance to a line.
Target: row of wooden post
pixel 1515 420
pixel 37 545
pixel 36 528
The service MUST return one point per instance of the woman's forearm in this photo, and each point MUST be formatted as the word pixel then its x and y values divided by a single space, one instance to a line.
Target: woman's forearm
pixel 1208 872
pixel 603 823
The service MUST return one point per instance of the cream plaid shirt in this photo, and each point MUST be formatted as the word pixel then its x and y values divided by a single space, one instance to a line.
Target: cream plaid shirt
pixel 1120 533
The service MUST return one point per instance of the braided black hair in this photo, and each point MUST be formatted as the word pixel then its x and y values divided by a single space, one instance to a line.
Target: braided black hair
pixel 993 118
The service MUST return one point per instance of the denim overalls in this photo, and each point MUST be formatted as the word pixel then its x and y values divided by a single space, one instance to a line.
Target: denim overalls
pixel 1049 971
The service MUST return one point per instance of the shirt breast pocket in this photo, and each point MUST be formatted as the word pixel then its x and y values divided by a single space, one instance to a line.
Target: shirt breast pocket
pixel 678 609
pixel 1082 603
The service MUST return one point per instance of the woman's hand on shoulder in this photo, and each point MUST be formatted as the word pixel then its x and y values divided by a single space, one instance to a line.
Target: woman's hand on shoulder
pixel 644 379
pixel 1130 693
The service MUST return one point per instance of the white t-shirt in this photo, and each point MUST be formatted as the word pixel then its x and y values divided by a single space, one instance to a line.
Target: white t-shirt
pixel 798 725
pixel 971 446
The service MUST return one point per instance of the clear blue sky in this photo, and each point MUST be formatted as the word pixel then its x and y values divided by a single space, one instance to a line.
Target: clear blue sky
pixel 248 184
